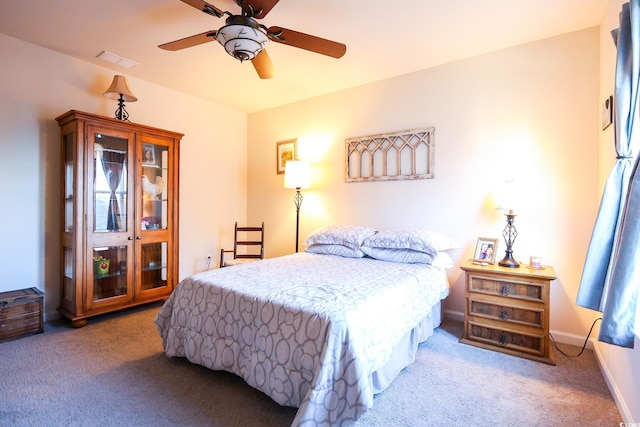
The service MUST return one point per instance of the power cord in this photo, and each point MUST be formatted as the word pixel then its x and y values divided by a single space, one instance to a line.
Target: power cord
pixel 583 346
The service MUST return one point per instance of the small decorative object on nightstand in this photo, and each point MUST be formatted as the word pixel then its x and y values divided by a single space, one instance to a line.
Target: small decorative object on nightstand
pixel 507 310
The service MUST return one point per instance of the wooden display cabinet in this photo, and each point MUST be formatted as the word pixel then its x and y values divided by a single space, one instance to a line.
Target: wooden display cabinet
pixel 119 214
pixel 507 310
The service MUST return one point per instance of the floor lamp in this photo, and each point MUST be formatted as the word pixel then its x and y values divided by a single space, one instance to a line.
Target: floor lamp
pixel 297 174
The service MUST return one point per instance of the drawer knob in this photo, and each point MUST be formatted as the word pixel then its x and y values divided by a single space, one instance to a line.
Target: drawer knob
pixel 503 339
pixel 504 291
pixel 503 315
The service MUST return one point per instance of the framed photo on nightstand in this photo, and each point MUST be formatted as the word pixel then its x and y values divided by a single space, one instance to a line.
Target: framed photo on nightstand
pixel 486 249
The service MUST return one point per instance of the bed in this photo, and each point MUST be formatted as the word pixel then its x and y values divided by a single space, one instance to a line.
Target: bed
pixel 317 331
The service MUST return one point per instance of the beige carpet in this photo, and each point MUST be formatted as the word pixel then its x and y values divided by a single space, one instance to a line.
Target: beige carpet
pixel 112 372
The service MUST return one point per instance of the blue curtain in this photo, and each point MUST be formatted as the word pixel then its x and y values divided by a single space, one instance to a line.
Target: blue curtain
pixel 610 279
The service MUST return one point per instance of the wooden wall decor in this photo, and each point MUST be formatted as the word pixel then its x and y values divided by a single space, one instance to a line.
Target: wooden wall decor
pixel 391 156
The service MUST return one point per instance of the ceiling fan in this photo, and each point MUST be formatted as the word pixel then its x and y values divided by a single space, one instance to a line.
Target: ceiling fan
pixel 245 39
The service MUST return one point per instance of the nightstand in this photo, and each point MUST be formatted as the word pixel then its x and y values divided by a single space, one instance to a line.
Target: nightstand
pixel 507 310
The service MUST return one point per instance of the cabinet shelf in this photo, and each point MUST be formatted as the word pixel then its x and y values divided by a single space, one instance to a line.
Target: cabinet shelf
pixel 157 268
pixel 106 276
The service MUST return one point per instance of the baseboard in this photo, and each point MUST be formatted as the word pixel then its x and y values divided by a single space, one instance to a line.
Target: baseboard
pixel 454 315
pixel 613 387
pixel 48 316
pixel 571 339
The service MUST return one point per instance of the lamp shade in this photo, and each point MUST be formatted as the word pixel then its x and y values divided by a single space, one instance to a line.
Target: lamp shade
pixel 119 87
pixel 297 174
pixel 507 197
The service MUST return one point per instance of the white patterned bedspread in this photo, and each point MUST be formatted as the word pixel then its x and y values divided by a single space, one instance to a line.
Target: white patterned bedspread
pixel 308 330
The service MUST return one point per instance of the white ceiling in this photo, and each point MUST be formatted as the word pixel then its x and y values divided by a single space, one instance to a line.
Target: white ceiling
pixel 383 38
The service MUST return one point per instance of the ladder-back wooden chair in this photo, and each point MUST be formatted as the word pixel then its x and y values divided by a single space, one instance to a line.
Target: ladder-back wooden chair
pixel 251 242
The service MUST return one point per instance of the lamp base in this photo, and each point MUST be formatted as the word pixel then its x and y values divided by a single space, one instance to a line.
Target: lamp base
pixel 509 261
pixel 121 113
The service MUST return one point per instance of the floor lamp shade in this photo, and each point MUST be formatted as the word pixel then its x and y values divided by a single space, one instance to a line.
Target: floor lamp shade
pixel 297 174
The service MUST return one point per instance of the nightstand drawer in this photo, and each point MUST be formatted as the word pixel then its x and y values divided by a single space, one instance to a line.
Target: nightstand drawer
pixel 509 339
pixel 507 312
pixel 507 288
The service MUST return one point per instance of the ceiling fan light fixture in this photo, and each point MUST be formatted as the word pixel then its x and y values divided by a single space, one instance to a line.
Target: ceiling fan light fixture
pixel 242 42
pixel 244 39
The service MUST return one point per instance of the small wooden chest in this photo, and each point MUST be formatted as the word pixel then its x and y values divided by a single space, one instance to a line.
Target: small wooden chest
pixel 21 313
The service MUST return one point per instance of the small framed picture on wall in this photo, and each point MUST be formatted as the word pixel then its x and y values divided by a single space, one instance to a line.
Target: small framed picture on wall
pixel 285 151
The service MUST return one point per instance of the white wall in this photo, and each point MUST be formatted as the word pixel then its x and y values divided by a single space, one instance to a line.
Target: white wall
pixel 620 366
pixel 530 111
pixel 36 86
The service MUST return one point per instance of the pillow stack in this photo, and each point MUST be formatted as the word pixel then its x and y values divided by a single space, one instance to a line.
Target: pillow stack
pixel 342 240
pixel 405 246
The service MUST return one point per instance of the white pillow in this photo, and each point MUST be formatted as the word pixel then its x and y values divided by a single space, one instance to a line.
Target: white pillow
pixel 338 250
pixel 350 236
pixel 442 261
pixel 398 255
pixel 426 241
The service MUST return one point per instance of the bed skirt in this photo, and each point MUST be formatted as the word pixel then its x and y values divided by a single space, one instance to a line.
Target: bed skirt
pixel 404 353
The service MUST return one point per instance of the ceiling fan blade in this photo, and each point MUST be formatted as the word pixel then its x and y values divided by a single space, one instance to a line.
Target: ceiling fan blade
pixel 263 65
pixel 306 41
pixel 259 7
pixel 207 36
pixel 205 7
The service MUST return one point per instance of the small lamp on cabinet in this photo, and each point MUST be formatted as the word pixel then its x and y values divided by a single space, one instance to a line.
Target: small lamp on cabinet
pixel 120 91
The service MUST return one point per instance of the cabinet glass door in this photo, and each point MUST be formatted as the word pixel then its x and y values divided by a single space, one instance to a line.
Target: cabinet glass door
pixel 69 180
pixel 154 266
pixel 154 201
pixel 69 211
pixel 154 179
pixel 111 233
pixel 109 272
pixel 110 184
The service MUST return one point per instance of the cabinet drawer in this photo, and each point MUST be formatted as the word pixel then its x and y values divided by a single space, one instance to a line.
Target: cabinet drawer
pixel 508 288
pixel 507 313
pixel 505 338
